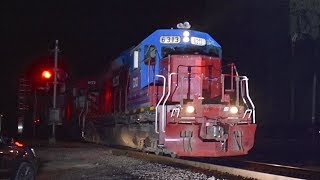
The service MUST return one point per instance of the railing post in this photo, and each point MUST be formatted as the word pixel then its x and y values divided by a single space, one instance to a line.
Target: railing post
pixel 249 99
pixel 165 100
pixel 222 87
pixel 163 94
pixel 231 79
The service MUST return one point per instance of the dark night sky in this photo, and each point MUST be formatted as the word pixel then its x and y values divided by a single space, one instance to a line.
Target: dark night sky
pixel 88 32
pixel 93 33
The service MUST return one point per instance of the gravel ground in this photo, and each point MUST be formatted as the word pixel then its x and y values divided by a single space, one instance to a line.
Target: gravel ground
pixel 96 162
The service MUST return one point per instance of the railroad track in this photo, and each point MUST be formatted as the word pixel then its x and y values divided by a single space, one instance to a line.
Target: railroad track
pixel 245 169
pixel 236 166
pixel 269 168
pixel 304 173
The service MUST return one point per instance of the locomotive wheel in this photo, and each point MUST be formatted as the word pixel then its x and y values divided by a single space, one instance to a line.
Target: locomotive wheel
pixel 158 152
pixel 173 155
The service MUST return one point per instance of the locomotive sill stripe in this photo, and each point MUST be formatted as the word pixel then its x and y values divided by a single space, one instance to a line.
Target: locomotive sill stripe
pixel 172 140
pixel 135 96
pixel 142 93
pixel 138 101
pixel 232 117
pixel 188 117
pixel 139 104
pixel 134 111
pixel 136 108
pixel 138 90
pixel 142 109
pixel 138 97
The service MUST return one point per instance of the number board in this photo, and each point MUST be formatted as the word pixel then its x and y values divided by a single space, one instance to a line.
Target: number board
pixel 198 41
pixel 170 39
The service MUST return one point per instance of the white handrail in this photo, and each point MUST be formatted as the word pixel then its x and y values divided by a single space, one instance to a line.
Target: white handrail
pixel 246 79
pixel 248 111
pixel 165 100
pixel 242 93
pixel 163 94
pixel 237 84
pixel 79 119
pixel 84 120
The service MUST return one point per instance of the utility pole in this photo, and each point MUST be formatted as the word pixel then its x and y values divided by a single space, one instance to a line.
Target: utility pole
pixel 35 105
pixel 314 93
pixel 1 121
pixel 55 70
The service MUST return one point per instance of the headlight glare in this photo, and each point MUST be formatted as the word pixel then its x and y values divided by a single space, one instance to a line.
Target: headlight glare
pixel 190 109
pixel 186 33
pixel 186 39
pixel 233 110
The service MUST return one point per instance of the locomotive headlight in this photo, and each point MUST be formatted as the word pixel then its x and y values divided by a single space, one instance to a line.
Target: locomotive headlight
pixel 190 109
pixel 186 34
pixel 186 39
pixel 233 110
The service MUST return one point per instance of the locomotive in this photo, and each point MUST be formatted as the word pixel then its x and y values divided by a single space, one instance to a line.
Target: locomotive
pixel 169 95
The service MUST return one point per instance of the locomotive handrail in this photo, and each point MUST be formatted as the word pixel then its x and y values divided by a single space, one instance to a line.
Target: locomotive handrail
pixel 237 85
pixel 246 79
pixel 234 76
pixel 248 111
pixel 165 100
pixel 84 119
pixel 222 87
pixel 163 94
pixel 79 119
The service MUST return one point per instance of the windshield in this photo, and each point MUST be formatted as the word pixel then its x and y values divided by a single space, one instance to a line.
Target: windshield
pixel 204 50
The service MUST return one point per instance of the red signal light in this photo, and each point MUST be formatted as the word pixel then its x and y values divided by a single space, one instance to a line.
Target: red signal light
pixel 46 74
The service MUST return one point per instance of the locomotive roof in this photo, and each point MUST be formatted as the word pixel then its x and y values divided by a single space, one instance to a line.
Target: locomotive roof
pixel 171 38
pixel 154 38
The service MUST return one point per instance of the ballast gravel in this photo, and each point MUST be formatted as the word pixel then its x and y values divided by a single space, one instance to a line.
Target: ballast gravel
pixel 96 162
